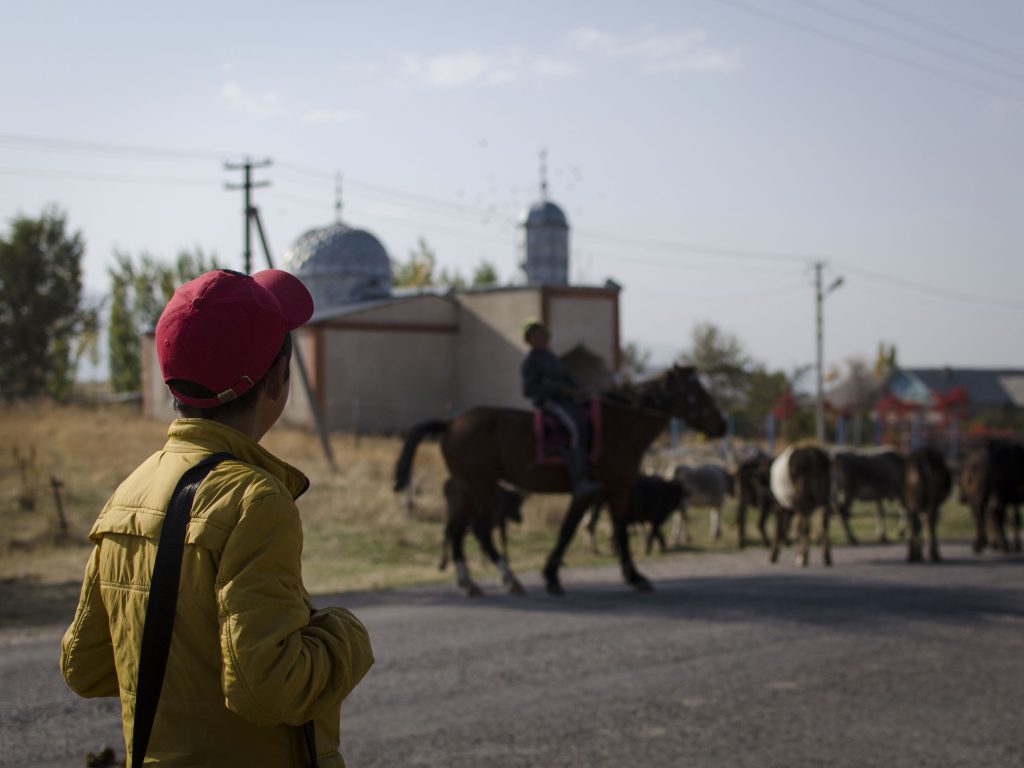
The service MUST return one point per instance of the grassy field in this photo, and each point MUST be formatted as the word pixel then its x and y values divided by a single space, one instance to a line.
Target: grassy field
pixel 358 533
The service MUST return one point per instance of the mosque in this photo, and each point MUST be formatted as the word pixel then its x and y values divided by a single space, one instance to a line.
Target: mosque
pixel 380 359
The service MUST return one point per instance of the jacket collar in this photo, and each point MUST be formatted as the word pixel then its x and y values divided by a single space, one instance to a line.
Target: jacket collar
pixel 186 435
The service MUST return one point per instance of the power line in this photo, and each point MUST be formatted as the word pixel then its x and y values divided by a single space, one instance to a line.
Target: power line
pixel 893 281
pixel 711 250
pixel 907 39
pixel 77 145
pixel 120 178
pixel 952 34
pixel 936 71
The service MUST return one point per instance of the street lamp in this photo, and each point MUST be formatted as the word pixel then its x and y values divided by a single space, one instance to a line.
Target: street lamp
pixel 819 295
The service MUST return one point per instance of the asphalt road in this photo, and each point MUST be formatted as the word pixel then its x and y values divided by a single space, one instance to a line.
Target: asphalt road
pixel 730 662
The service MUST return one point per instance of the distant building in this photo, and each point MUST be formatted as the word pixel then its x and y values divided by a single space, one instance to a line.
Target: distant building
pixel 381 359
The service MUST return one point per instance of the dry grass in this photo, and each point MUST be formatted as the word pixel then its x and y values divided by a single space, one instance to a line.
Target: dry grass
pixel 358 533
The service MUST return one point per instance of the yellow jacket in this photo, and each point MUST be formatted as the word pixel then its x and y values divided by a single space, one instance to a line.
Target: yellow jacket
pixel 249 658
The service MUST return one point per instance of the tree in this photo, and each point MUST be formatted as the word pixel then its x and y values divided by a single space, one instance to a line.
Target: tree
pixel 885 360
pixel 139 290
pixel 40 290
pixel 635 361
pixel 721 359
pixel 418 271
pixel 485 273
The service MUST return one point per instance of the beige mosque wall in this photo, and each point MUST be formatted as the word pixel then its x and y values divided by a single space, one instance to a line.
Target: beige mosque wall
pixel 490 346
pixel 587 317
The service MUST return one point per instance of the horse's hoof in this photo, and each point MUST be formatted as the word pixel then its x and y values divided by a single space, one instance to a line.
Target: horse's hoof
pixel 515 588
pixel 641 584
pixel 554 588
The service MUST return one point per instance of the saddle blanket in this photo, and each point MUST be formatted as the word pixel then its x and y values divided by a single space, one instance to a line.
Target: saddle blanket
pixel 551 438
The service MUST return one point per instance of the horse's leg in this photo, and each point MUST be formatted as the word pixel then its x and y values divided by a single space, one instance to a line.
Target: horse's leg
pixel 482 531
pixel 804 531
pixel 844 517
pixel 618 508
pixel 565 534
pixel 456 533
pixel 880 523
pixel 1016 528
pixel 914 540
pixel 904 516
pixel 595 513
pixel 999 526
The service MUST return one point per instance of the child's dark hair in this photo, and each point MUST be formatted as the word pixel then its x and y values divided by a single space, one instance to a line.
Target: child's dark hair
pixel 244 403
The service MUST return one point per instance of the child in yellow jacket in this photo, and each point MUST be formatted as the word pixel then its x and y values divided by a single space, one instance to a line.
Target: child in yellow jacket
pixel 250 659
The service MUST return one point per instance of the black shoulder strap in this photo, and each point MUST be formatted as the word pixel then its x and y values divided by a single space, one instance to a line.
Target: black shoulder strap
pixel 163 596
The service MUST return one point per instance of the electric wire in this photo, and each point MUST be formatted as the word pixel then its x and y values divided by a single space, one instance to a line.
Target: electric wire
pixel 908 39
pixel 870 49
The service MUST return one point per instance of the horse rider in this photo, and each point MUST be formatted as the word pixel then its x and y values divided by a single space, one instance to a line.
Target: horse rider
pixel 552 389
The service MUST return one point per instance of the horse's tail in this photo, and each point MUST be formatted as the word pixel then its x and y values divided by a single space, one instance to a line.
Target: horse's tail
pixel 403 468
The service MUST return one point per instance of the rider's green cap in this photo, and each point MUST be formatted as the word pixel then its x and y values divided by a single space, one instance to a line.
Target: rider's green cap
pixel 533 322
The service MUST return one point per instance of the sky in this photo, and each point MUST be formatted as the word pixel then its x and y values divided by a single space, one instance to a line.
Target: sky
pixel 706 152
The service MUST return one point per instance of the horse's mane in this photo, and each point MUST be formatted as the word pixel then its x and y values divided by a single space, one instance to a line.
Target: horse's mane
pixel 652 394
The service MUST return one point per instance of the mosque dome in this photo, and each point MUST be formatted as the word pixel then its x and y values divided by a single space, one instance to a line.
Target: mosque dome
pixel 544 213
pixel 340 265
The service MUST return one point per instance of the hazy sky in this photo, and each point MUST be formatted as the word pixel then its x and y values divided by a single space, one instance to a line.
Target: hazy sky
pixel 705 151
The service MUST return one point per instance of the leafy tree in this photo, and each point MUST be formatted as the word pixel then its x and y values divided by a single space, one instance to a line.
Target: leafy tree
pixel 485 273
pixel 722 360
pixel 40 290
pixel 885 360
pixel 635 361
pixel 140 288
pixel 418 271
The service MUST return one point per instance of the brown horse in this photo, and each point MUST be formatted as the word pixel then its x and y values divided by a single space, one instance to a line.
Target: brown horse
pixel 485 445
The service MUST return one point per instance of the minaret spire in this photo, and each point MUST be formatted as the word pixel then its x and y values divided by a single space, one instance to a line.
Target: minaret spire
pixel 337 197
pixel 543 174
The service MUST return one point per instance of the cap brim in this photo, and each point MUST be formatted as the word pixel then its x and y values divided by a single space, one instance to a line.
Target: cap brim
pixel 291 294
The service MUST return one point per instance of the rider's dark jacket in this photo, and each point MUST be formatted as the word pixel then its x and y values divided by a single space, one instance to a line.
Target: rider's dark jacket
pixel 545 377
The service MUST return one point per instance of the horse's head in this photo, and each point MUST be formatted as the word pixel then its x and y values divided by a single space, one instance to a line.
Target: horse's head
pixel 691 402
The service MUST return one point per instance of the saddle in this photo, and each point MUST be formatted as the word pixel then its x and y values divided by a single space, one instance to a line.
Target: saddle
pixel 552 440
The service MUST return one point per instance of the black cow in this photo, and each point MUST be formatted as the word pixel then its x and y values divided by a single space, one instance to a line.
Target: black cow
pixel 992 479
pixel 652 501
pixel 927 486
pixel 874 474
pixel 508 505
pixel 753 489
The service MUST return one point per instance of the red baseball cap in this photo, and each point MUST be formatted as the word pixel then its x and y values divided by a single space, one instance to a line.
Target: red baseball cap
pixel 224 329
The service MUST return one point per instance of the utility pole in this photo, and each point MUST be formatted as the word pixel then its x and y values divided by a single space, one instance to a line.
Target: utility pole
pixel 252 217
pixel 819 297
pixel 247 186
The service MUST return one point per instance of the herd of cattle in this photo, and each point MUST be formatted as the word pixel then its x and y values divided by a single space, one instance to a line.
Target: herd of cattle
pixel 805 478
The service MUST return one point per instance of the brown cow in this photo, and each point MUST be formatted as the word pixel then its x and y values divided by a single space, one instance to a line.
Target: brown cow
pixel 927 486
pixel 872 474
pixel 992 479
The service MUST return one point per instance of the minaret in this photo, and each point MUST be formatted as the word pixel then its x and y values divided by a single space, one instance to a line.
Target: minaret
pixel 544 238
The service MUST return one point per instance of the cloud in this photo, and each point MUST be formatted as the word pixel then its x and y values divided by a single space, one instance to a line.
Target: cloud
pixel 688 51
pixel 332 115
pixel 458 69
pixel 236 97
pixel 556 69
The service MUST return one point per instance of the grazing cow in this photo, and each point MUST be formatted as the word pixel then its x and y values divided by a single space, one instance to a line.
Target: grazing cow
pixel 992 479
pixel 801 481
pixel 652 500
pixel 927 486
pixel 874 474
pixel 706 485
pixel 752 481
pixel 508 504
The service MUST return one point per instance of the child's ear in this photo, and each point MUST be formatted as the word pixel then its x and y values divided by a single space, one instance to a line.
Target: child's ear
pixel 277 378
